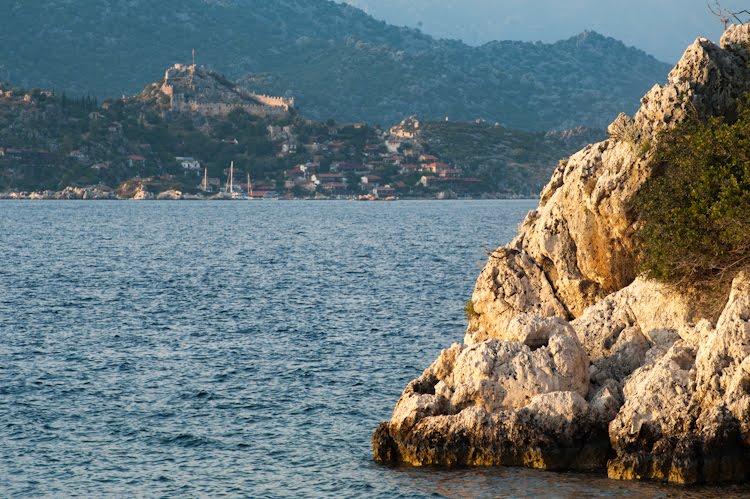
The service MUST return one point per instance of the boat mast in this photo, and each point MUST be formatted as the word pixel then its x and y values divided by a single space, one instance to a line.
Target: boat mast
pixel 230 186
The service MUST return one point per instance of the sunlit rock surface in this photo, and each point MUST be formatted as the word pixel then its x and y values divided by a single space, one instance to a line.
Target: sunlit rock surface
pixel 570 361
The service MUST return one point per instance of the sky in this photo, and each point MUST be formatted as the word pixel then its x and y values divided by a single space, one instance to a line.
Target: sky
pixel 663 28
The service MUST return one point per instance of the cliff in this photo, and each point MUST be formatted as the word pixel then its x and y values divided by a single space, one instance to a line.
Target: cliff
pixel 570 360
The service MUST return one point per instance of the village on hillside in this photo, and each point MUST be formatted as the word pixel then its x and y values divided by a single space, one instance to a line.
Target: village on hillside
pixel 179 137
pixel 196 135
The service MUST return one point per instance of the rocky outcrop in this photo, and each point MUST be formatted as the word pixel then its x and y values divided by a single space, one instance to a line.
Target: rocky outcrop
pixel 686 416
pixel 69 193
pixel 576 247
pixel 500 402
pixel 572 362
pixel 170 195
pixel 621 330
pixel 142 194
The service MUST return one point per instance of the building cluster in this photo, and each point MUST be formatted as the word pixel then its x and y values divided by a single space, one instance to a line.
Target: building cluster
pixel 397 151
pixel 317 160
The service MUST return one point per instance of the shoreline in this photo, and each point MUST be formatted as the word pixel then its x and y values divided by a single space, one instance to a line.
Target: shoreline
pixel 191 198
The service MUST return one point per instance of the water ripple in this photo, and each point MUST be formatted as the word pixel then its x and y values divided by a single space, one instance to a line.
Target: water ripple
pixel 237 349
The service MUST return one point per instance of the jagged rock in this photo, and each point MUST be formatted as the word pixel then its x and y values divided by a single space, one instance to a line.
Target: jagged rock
pixel 510 281
pixel 619 330
pixel 657 401
pixel 535 331
pixel 539 381
pixel 686 417
pixel 577 247
pixel 554 431
pixel 640 373
pixel 141 194
pixel 500 375
pixel 72 193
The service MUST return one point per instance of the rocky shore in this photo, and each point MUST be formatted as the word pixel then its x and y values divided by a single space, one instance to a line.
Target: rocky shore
pixel 572 361
pixel 95 193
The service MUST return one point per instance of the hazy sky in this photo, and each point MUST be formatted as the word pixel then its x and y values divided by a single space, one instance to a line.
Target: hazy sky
pixel 662 28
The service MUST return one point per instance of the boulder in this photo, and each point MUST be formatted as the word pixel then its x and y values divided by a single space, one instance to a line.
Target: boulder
pixel 686 417
pixel 171 195
pixel 538 378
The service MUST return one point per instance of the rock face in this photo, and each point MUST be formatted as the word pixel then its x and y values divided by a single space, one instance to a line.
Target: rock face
pixel 576 248
pixel 570 361
pixel 500 402
pixel 686 416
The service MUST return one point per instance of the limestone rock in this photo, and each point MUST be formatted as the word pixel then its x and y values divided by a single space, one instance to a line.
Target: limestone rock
pixel 569 359
pixel 535 331
pixel 141 194
pixel 618 331
pixel 657 400
pixel 500 375
pixel 736 37
pixel 511 281
pixel 576 248
pixel 171 195
pixel 555 431
pixel 686 417
pixel 540 385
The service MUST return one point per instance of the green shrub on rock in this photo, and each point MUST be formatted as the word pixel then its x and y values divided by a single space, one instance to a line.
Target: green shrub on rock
pixel 694 213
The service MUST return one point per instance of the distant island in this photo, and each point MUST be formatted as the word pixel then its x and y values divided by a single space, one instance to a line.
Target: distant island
pixel 178 137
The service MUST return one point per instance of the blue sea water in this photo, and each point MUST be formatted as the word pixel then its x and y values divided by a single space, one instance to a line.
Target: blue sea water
pixel 238 348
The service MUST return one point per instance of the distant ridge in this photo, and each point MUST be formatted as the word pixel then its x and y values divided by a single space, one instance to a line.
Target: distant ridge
pixel 337 61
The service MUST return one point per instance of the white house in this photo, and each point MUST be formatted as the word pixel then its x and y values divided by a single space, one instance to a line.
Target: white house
pixel 370 180
pixel 189 163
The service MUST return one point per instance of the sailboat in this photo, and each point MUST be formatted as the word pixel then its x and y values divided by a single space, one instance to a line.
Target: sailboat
pixel 229 189
pixel 249 186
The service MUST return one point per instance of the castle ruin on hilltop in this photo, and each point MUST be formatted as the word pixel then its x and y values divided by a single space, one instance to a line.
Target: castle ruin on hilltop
pixel 197 90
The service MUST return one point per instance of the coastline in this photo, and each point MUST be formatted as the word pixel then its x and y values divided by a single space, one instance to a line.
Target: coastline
pixel 93 195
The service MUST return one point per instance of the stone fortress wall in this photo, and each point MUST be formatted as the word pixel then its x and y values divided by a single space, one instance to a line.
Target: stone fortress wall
pixel 180 78
pixel 220 109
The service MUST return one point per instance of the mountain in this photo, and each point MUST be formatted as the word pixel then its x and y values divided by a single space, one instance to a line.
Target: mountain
pixel 334 59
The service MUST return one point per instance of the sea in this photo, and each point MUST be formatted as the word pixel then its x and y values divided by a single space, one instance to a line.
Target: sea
pixel 239 349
